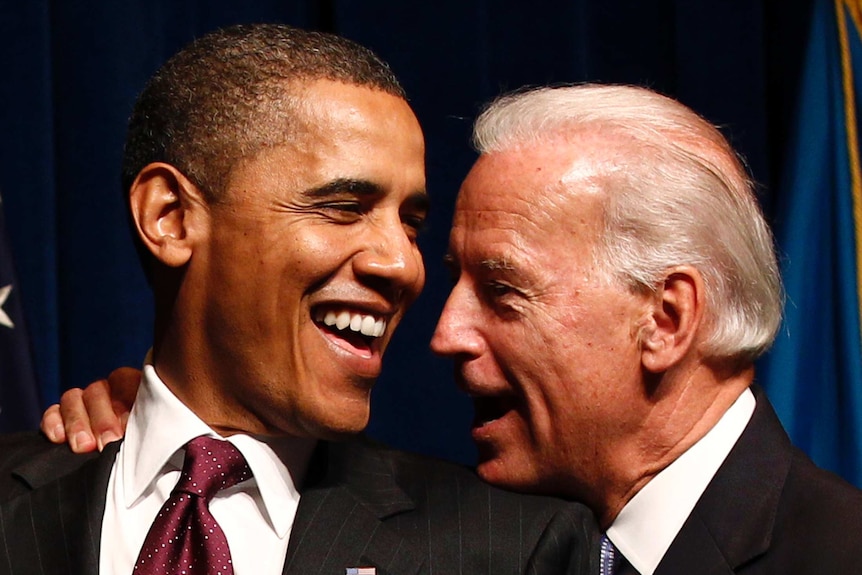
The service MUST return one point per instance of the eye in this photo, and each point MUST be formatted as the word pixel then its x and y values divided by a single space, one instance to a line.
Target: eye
pixel 352 207
pixel 342 211
pixel 414 213
pixel 504 299
pixel 415 224
pixel 498 289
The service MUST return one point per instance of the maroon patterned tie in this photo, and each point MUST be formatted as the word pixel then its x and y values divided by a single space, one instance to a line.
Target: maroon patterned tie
pixel 184 537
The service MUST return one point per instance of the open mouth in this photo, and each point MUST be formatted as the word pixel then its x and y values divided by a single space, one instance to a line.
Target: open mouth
pixel 489 409
pixel 356 332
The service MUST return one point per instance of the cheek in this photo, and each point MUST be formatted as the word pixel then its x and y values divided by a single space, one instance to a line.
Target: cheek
pixel 302 250
pixel 562 373
pixel 312 243
pixel 291 262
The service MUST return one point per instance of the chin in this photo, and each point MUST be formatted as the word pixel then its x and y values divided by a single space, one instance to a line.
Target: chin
pixel 338 425
pixel 509 471
pixel 497 472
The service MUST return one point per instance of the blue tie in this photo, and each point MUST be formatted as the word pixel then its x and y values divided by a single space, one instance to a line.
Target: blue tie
pixel 608 558
pixel 612 561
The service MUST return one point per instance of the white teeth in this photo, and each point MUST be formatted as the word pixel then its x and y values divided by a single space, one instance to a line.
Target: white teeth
pixel 367 327
pixel 343 320
pixel 365 324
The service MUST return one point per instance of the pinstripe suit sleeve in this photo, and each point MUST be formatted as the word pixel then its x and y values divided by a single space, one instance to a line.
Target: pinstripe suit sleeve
pixel 51 505
pixel 469 527
pixel 15 449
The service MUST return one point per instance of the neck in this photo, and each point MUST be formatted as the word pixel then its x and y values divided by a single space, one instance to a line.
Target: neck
pixel 683 410
pixel 186 365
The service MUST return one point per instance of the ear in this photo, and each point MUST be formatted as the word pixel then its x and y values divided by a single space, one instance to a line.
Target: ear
pixel 164 205
pixel 676 316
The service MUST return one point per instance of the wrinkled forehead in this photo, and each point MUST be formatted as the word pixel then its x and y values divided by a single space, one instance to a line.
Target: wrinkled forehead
pixel 531 201
pixel 539 185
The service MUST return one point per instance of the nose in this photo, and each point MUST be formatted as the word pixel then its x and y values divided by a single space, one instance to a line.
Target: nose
pixel 391 260
pixel 457 334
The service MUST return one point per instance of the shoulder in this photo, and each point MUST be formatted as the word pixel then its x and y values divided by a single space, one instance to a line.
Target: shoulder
pixel 819 513
pixel 814 504
pixel 815 490
pixel 491 526
pixel 815 516
pixel 815 524
pixel 16 448
pixel 28 458
pixel 425 477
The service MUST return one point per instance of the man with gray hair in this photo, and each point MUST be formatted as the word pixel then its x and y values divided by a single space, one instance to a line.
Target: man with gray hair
pixel 615 283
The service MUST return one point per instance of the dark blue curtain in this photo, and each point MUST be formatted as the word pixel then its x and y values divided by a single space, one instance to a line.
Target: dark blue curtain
pixel 71 70
pixel 19 393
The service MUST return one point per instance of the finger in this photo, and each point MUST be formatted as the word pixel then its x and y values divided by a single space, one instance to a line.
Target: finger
pixel 76 421
pixel 104 423
pixel 52 424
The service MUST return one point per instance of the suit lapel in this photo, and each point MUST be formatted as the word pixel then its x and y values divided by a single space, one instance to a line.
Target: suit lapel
pixel 339 522
pixel 57 526
pixel 733 521
pixel 694 550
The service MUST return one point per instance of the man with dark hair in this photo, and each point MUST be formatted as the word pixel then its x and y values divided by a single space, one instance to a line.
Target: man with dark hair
pixel 276 185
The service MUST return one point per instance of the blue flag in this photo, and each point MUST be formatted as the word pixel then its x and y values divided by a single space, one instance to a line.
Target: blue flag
pixel 19 397
pixel 813 374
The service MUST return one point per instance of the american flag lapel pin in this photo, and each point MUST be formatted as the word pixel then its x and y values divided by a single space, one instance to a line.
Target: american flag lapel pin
pixel 361 571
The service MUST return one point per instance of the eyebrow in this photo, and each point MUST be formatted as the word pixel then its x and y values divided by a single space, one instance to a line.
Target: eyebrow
pixel 490 264
pixel 345 185
pixel 495 264
pixel 364 188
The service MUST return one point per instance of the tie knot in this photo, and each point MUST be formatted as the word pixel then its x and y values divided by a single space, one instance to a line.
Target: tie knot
pixel 210 466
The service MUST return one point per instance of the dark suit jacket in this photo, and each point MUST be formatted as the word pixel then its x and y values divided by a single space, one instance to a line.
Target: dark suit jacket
pixel 363 505
pixel 770 510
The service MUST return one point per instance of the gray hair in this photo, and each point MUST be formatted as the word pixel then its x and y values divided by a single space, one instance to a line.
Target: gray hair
pixel 679 195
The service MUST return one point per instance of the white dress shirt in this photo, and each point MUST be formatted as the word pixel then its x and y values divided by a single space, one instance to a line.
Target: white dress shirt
pixel 256 515
pixel 650 521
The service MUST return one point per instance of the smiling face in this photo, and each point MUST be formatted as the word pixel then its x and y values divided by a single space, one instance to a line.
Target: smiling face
pixel 308 265
pixel 544 341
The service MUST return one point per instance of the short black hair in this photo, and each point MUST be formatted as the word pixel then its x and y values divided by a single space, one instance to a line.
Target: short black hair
pixel 227 95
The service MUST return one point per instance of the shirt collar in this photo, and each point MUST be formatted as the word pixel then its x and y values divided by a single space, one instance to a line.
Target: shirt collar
pixel 160 425
pixel 647 525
